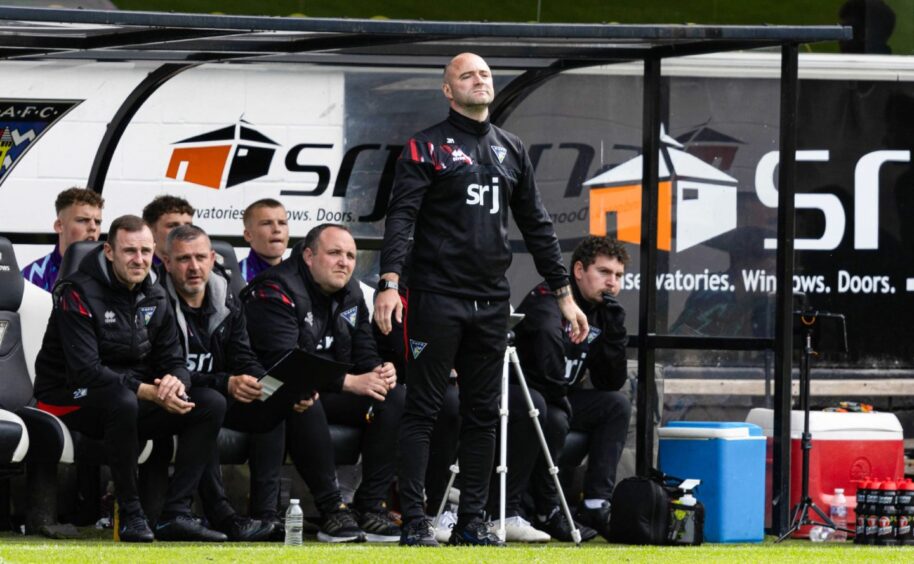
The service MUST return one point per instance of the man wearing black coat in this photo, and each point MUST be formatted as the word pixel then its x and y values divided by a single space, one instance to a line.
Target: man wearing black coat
pixel 311 301
pixel 557 369
pixel 214 334
pixel 111 366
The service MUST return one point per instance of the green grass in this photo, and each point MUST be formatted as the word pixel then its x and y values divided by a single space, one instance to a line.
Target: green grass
pixel 34 549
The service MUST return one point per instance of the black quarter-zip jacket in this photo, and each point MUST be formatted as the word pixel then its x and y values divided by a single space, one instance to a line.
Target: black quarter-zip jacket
pixel 455 184
pixel 215 336
pixel 552 363
pixel 100 332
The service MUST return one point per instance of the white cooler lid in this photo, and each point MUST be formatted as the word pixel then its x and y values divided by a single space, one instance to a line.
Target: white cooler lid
pixel 827 425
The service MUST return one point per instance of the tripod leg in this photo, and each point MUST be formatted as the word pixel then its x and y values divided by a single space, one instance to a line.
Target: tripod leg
pixel 796 521
pixel 455 469
pixel 502 468
pixel 553 469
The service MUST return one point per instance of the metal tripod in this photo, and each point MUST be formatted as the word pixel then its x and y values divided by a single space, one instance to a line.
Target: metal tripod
pixel 801 511
pixel 502 468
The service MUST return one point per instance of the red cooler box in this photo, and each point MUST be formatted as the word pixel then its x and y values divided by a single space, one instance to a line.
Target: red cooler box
pixel 846 447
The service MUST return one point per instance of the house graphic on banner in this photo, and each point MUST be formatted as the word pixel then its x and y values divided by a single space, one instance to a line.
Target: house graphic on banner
pixel 222 158
pixel 696 200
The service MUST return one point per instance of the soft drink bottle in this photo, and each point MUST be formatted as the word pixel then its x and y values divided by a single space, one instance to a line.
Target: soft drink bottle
pixel 294 523
pixel 872 511
pixel 838 515
pixel 888 514
pixel 905 504
pixel 860 511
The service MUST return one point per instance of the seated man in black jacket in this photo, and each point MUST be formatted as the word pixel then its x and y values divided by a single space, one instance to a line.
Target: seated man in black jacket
pixel 219 356
pixel 111 366
pixel 311 301
pixel 556 368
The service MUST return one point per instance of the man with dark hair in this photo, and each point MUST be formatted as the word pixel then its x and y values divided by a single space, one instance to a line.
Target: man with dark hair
pixel 219 356
pixel 163 214
pixel 79 218
pixel 556 368
pixel 111 366
pixel 266 229
pixel 456 184
pixel 312 302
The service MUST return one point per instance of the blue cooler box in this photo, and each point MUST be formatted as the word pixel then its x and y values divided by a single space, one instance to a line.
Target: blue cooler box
pixel 729 459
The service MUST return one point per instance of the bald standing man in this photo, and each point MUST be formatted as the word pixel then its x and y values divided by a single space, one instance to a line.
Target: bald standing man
pixel 466 176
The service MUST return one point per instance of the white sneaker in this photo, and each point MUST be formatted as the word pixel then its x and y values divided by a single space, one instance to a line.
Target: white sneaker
pixel 518 529
pixel 445 523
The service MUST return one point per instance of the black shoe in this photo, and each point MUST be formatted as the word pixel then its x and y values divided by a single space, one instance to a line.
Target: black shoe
pixel 279 528
pixel 245 529
pixel 474 533
pixel 378 526
pixel 340 526
pixel 186 528
pixel 559 529
pixel 597 519
pixel 418 532
pixel 134 528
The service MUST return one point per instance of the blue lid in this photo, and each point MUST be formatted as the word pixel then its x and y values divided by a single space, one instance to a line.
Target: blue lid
pixel 754 430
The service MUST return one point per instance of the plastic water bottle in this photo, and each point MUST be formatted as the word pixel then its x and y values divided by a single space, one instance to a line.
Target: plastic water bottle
pixel 838 515
pixel 294 522
pixel 820 533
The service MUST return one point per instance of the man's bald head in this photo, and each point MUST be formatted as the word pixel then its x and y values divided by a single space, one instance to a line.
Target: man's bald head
pixel 468 85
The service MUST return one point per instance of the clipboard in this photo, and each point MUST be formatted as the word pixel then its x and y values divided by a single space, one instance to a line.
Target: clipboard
pixel 301 373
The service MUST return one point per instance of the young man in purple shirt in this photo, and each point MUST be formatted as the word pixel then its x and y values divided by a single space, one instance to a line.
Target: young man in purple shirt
pixel 163 214
pixel 266 229
pixel 79 218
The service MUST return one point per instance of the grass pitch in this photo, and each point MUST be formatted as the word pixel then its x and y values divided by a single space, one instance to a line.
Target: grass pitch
pixel 14 548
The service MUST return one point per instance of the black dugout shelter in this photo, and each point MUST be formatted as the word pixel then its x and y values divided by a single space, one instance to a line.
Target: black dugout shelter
pixel 183 41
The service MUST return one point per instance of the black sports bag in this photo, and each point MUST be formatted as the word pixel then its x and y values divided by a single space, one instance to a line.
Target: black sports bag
pixel 649 511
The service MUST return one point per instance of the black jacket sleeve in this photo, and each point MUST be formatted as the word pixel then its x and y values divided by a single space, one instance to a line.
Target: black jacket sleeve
pixel 167 356
pixel 536 227
pixel 606 360
pixel 271 323
pixel 80 344
pixel 414 174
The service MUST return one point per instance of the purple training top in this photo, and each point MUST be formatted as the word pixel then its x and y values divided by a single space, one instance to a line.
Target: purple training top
pixel 252 266
pixel 43 272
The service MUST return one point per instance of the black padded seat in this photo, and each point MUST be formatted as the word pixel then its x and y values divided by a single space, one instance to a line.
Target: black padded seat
pixel 15 383
pixel 347 444
pixel 226 258
pixel 574 451
pixel 234 446
pixel 75 254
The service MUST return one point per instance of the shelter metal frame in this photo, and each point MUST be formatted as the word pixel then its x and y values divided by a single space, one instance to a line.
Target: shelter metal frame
pixel 183 41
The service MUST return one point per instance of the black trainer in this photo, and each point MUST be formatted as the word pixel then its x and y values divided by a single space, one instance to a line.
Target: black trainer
pixel 134 528
pixel 597 519
pixel 245 529
pixel 418 532
pixel 475 532
pixel 377 525
pixel 559 529
pixel 186 528
pixel 340 526
pixel 279 528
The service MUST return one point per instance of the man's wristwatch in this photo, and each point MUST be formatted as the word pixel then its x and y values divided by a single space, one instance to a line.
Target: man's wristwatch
pixel 385 284
pixel 562 292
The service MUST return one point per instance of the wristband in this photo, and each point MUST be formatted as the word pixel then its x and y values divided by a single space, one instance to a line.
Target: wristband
pixel 562 292
pixel 385 284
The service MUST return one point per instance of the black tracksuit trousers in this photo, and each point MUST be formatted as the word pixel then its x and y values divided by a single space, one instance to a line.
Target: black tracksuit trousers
pixel 114 414
pixel 265 422
pixel 604 416
pixel 311 450
pixel 448 332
